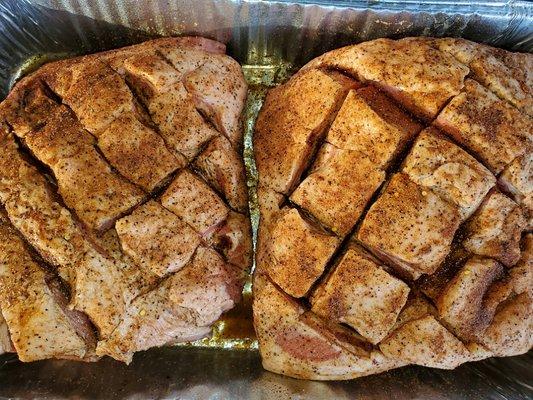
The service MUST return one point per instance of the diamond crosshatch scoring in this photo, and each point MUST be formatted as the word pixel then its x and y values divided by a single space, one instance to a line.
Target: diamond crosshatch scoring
pixel 121 183
pixel 410 159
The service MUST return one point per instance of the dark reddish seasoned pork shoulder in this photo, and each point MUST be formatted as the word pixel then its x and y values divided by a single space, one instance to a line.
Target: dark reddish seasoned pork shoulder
pixel 395 193
pixel 124 221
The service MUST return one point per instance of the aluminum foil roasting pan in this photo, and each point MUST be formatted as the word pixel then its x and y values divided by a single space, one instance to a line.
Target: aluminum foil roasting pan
pixel 271 39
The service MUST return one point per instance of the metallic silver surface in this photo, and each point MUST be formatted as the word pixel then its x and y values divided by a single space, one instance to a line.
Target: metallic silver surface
pixel 257 32
pixel 270 39
pixel 179 373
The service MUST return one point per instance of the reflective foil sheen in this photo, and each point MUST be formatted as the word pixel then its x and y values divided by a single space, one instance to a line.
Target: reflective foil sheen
pixel 271 40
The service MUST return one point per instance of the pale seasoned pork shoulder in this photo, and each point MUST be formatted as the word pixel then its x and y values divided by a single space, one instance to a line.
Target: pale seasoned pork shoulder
pixel 394 194
pixel 126 213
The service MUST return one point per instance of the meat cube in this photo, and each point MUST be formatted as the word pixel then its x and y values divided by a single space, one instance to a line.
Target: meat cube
pixel 40 327
pixel 223 169
pixel 338 187
pixel 508 75
pixel 461 304
pixel 180 309
pixel 182 126
pixel 424 341
pixel 233 239
pixel 169 103
pixel 191 199
pixel 495 229
pixel 492 129
pixel 193 42
pixel 478 288
pixel 185 53
pixel 96 93
pixel 296 117
pixel 137 279
pixel 510 332
pixel 297 252
pixel 446 169
pixel 410 227
pixel 156 239
pixel 116 58
pixel 372 124
pixel 138 153
pixel 517 180
pixel 149 73
pixel 478 352
pixel 100 289
pixel 420 77
pixel 358 292
pixel 298 344
pixel 503 291
pixel 219 90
